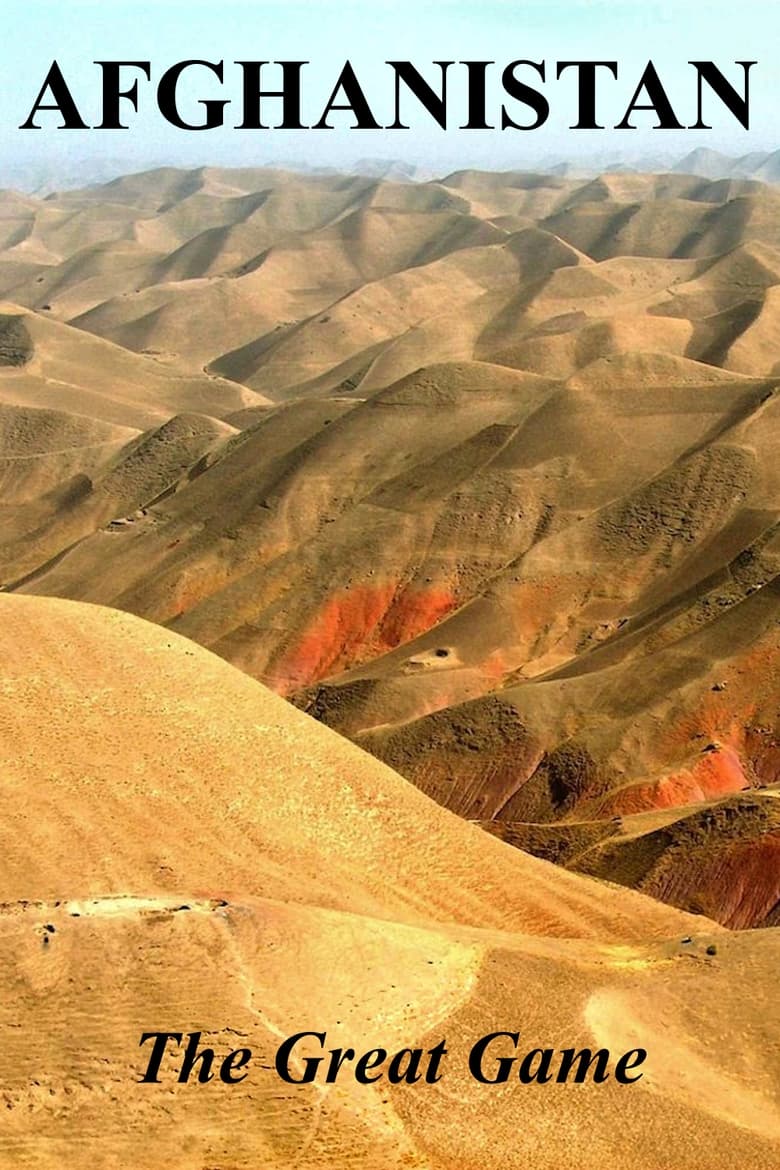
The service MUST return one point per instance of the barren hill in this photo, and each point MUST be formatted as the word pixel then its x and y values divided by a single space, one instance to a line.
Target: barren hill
pixel 182 847
pixel 481 471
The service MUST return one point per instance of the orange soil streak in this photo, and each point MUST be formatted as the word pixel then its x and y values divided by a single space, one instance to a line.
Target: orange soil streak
pixel 413 613
pixel 716 774
pixel 726 714
pixel 355 625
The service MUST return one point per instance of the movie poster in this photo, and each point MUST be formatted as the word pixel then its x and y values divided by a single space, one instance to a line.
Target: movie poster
pixel 389 585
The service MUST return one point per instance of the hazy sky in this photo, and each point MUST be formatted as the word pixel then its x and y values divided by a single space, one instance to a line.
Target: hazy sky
pixel 77 32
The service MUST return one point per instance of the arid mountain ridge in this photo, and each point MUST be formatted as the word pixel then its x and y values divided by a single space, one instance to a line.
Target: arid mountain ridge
pixel 480 471
pixel 68 172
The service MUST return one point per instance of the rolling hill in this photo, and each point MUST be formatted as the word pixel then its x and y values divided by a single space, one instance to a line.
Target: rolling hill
pixel 480 472
pixel 185 851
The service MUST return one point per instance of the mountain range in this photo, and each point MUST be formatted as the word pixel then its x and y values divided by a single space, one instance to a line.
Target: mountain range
pixel 480 474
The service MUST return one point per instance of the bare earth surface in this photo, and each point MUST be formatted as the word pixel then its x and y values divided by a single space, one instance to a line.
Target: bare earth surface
pixel 183 850
pixel 482 474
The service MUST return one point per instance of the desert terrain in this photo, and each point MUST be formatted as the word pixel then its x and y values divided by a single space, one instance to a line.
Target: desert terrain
pixel 482 475
pixel 183 850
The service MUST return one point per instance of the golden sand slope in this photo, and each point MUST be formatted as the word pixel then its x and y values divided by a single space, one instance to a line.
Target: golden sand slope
pixel 182 850
pixel 295 812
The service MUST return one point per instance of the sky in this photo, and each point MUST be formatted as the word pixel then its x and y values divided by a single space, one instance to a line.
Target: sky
pixel 78 32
